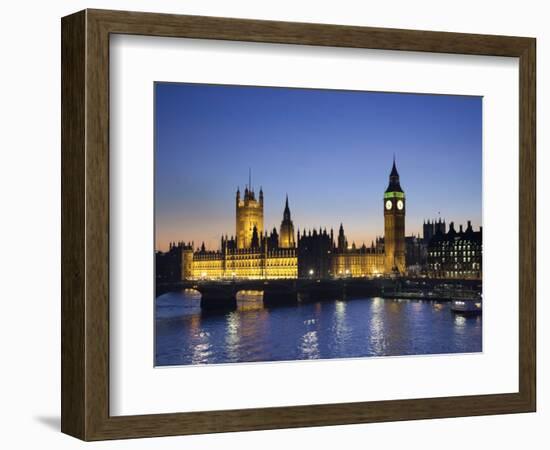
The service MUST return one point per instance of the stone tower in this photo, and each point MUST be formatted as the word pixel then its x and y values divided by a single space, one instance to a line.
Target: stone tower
pixel 342 241
pixel 286 235
pixel 249 214
pixel 187 262
pixel 394 225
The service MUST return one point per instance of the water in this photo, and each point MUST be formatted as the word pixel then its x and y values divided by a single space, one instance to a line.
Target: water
pixel 330 329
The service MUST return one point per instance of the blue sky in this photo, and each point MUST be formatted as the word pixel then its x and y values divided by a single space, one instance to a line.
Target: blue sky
pixel 330 150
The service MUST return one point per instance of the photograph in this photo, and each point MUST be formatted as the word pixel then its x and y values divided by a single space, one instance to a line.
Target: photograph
pixel 305 224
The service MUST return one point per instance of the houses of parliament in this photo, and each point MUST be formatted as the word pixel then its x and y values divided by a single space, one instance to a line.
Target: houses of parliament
pixel 253 253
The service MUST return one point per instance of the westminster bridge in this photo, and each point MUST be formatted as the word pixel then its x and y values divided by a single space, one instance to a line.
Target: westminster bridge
pixel 222 295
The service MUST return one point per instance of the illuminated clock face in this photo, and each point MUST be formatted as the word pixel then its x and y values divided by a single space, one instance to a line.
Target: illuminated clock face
pixel 400 204
pixel 388 205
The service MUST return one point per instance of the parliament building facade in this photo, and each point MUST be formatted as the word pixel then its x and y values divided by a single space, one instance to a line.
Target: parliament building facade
pixel 253 253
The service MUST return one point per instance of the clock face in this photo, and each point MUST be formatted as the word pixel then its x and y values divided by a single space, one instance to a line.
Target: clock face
pixel 400 204
pixel 388 205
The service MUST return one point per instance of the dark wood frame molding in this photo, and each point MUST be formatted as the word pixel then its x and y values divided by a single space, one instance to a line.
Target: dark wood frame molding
pixel 85 224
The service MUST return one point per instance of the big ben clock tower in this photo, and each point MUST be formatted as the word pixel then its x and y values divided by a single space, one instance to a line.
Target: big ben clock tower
pixel 394 225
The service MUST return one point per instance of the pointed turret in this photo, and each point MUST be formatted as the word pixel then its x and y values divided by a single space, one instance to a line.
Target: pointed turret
pixel 255 243
pixel 394 185
pixel 286 213
pixel 342 244
pixel 286 238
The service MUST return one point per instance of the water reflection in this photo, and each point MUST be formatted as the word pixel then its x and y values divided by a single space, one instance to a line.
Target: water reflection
pixel 340 328
pixel 250 300
pixel 330 329
pixel 310 345
pixel 233 338
pixel 201 350
pixel 460 321
pixel 377 325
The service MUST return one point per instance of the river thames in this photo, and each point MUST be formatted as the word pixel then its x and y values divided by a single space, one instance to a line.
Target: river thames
pixel 330 329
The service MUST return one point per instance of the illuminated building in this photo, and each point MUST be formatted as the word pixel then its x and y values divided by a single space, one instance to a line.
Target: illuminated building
pixel 249 216
pixel 252 253
pixel 351 261
pixel 456 254
pixel 388 255
pixel 255 254
pixel 394 225
pixel 248 263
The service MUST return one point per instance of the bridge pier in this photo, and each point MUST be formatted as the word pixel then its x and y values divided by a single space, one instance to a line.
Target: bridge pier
pixel 358 289
pixel 280 296
pixel 322 290
pixel 214 299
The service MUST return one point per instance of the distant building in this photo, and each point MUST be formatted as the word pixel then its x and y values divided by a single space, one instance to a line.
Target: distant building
pixel 430 228
pixel 315 250
pixel 456 254
pixel 416 255
pixel 169 265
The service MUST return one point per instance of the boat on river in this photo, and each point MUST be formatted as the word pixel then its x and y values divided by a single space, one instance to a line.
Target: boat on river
pixel 466 306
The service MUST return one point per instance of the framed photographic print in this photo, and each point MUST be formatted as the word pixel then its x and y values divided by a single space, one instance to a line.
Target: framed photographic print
pixel 270 224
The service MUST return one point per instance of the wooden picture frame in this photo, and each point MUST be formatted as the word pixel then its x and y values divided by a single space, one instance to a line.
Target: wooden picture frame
pixel 85 224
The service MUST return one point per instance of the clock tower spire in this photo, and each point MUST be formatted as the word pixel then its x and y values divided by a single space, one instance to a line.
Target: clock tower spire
pixel 394 224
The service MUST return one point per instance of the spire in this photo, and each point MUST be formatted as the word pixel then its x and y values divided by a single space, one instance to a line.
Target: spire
pixel 342 244
pixel 250 179
pixel 255 238
pixel 286 213
pixel 394 172
pixel 394 185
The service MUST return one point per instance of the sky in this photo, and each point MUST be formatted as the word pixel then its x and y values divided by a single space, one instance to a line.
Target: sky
pixel 331 151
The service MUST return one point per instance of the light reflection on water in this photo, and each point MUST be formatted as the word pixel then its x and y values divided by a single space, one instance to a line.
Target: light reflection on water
pixel 330 329
pixel 377 323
